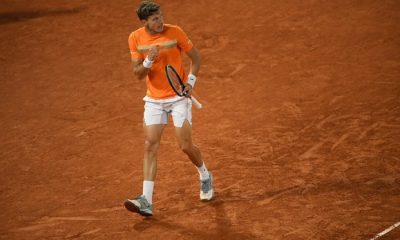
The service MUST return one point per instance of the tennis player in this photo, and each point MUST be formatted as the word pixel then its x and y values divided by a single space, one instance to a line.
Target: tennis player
pixel 152 47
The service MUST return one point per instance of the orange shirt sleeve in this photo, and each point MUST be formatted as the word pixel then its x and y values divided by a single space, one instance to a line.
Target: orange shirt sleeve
pixel 135 54
pixel 184 42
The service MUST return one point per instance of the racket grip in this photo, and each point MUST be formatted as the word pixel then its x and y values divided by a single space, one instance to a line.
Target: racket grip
pixel 196 102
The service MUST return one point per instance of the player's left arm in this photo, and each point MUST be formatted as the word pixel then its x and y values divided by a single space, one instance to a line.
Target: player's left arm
pixel 194 56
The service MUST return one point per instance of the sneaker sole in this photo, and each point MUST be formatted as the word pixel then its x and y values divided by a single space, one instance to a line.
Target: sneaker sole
pixel 133 208
pixel 206 199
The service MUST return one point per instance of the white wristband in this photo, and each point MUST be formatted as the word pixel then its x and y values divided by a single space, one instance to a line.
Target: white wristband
pixel 192 79
pixel 147 63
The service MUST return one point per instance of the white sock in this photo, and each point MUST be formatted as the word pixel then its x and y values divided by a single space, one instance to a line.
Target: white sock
pixel 203 172
pixel 148 187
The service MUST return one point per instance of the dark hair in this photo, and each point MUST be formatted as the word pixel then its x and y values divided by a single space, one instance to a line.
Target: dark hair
pixel 146 9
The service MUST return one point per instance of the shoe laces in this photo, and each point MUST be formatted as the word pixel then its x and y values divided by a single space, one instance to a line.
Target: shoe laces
pixel 143 201
pixel 206 185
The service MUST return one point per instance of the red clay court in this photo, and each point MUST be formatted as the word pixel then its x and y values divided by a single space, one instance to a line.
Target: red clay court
pixel 300 126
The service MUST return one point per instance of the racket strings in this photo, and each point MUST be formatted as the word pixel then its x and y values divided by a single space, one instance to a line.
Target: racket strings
pixel 175 81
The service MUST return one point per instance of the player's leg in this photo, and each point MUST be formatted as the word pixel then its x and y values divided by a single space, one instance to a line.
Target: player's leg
pixel 152 135
pixel 184 137
pixel 182 118
pixel 155 119
pixel 154 123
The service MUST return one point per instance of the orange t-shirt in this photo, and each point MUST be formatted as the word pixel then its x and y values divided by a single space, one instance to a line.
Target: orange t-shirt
pixel 172 42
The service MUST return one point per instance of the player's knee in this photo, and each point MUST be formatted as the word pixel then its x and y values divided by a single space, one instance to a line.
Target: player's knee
pixel 151 146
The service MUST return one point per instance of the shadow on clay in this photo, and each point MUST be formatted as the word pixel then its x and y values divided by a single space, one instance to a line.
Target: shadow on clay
pixel 223 230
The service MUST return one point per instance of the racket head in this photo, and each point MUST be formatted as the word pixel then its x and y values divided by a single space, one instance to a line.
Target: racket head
pixel 174 80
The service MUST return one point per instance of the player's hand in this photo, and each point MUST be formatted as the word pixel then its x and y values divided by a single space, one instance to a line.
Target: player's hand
pixel 188 90
pixel 153 52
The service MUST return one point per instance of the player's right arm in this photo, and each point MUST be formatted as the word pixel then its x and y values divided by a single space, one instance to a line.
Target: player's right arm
pixel 142 67
pixel 139 70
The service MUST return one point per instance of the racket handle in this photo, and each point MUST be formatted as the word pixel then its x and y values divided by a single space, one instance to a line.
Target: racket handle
pixel 196 102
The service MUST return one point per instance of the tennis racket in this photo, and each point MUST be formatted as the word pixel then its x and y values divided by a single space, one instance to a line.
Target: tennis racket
pixel 177 85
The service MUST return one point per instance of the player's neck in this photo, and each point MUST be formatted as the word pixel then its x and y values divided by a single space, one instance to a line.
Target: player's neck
pixel 151 32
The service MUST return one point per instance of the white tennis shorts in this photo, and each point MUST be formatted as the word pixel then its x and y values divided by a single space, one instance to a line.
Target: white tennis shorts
pixel 158 112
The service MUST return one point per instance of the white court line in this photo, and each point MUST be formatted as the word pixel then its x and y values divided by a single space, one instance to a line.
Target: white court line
pixel 386 231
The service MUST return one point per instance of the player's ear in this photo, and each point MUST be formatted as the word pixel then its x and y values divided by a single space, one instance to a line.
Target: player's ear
pixel 144 21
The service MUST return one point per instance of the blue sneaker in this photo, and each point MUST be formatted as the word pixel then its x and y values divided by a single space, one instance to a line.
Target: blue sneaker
pixel 139 205
pixel 206 189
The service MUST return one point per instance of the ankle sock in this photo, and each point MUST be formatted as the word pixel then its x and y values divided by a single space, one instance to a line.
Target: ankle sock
pixel 148 187
pixel 203 172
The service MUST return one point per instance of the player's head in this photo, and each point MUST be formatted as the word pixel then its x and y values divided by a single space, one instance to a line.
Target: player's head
pixel 149 14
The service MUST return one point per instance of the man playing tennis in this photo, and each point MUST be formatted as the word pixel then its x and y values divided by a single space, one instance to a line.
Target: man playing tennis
pixel 152 47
